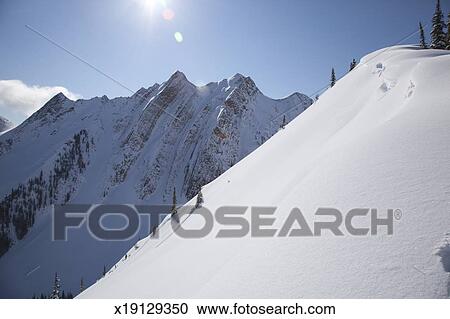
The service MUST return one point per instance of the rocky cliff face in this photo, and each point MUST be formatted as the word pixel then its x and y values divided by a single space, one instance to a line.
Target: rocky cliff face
pixel 185 136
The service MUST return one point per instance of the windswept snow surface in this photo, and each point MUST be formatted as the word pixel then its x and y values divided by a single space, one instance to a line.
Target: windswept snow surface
pixel 380 138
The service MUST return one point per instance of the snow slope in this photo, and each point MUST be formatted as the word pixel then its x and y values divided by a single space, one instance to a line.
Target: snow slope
pixel 123 150
pixel 380 138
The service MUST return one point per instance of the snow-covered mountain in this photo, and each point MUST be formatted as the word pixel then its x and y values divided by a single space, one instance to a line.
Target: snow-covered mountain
pixel 5 124
pixel 380 138
pixel 125 150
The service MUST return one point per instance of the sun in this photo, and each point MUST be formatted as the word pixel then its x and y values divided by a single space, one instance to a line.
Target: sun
pixel 151 6
pixel 163 8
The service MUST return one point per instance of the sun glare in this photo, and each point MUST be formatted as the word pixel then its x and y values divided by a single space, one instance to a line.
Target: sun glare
pixel 151 6
pixel 160 10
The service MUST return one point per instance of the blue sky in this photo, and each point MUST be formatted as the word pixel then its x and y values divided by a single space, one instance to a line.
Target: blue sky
pixel 284 45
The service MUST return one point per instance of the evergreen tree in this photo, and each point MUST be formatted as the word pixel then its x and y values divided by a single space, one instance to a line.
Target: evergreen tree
pixel 283 124
pixel 422 42
pixel 352 65
pixel 333 78
pixel 173 210
pixel 104 270
pixel 56 288
pixel 154 230
pixel 448 32
pixel 199 202
pixel 81 285
pixel 437 31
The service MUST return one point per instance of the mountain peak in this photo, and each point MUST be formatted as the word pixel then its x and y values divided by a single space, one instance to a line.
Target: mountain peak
pixel 5 124
pixel 237 79
pixel 55 100
pixel 243 83
pixel 59 97
pixel 237 76
pixel 178 79
pixel 178 76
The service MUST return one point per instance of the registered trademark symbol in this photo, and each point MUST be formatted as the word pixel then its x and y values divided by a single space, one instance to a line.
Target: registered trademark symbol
pixel 398 214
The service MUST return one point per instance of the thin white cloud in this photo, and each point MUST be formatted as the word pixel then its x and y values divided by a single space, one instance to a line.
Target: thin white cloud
pixel 18 97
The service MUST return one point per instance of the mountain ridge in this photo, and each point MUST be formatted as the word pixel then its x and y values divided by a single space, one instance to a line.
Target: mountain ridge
pixel 133 149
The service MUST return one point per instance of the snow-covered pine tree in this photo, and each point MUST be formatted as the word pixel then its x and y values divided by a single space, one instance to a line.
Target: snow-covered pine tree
pixel 422 42
pixel 56 292
pixel 199 201
pixel 352 65
pixel 333 78
pixel 438 37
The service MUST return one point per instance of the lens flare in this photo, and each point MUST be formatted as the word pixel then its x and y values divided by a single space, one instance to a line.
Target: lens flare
pixel 168 14
pixel 178 37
